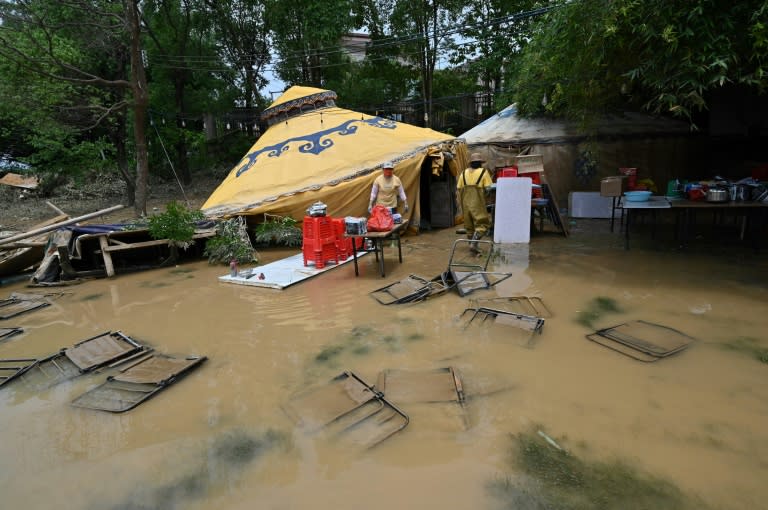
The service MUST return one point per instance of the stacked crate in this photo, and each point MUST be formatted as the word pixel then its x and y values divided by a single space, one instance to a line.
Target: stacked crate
pixel 343 244
pixel 319 240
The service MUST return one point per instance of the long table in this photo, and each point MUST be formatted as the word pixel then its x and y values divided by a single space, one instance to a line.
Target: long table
pixel 653 204
pixel 378 239
pixel 754 213
pixel 754 216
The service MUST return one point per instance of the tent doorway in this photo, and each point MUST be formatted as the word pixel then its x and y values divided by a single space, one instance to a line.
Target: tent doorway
pixel 437 199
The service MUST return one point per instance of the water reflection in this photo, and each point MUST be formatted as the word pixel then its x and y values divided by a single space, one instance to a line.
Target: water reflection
pixel 694 420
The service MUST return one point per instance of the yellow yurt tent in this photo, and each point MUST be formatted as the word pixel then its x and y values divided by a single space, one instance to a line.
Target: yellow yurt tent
pixel 314 151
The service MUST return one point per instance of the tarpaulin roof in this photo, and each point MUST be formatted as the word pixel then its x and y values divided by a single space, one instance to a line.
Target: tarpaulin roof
pixel 507 127
pixel 316 151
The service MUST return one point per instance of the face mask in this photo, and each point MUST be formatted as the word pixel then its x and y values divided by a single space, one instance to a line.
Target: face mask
pixel 476 164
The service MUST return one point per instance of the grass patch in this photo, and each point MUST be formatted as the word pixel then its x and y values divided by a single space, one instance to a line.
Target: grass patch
pixel 596 308
pixel 361 349
pixel 557 479
pixel 748 346
pixel 328 353
pixel 154 285
pixel 359 332
pixel 414 337
pixel 91 297
pixel 240 448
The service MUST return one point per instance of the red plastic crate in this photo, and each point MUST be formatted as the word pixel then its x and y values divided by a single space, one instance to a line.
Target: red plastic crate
pixel 320 254
pixel 535 179
pixel 507 172
pixel 318 227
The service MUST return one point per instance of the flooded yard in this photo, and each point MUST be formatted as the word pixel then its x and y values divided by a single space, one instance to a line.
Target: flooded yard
pixel 685 431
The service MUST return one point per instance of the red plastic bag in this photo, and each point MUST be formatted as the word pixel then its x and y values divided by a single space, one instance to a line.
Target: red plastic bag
pixel 381 219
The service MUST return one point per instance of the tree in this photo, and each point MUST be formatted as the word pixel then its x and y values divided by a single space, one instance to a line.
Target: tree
pixel 186 75
pixel 590 56
pixel 493 33
pixel 242 34
pixel 307 36
pixel 423 28
pixel 47 38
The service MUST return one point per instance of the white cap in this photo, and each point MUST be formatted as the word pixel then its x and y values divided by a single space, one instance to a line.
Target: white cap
pixel 388 164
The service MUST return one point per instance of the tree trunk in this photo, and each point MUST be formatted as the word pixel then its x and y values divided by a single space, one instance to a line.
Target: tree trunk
pixel 141 103
pixel 121 154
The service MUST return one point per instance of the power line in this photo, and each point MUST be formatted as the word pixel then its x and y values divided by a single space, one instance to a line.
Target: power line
pixel 330 51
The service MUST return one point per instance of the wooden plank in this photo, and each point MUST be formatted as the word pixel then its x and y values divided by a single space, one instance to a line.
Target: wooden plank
pixel 108 266
pixel 58 225
pixel 156 242
pixel 28 244
pixel 554 208
pixel 123 247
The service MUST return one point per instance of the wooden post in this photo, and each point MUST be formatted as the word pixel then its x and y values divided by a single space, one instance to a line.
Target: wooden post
pixel 108 266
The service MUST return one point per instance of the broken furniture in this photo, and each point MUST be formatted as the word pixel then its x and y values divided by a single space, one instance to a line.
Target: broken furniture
pixel 137 383
pixel 10 369
pixel 94 245
pixel 17 256
pixel 641 340
pixel 17 305
pixel 527 305
pixel 6 333
pixel 409 290
pixel 349 408
pixel 81 358
pixel 465 276
pixel 519 320
pixel 441 385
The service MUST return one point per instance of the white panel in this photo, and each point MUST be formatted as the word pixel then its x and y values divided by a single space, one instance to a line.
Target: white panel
pixel 589 204
pixel 512 223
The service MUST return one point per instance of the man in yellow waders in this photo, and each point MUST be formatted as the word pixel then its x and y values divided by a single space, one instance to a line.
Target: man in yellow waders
pixel 471 186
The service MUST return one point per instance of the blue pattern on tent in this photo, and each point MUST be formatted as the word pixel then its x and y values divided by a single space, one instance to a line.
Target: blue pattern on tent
pixel 315 143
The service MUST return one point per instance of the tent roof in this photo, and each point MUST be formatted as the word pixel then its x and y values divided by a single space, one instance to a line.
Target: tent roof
pixel 308 150
pixel 507 127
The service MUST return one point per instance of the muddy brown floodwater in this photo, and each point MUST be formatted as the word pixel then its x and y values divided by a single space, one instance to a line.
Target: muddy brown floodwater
pixel 219 438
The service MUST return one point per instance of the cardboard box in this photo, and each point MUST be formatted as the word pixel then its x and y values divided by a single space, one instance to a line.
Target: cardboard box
pixel 613 186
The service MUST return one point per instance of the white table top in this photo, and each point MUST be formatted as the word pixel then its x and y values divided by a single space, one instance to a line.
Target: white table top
pixel 654 202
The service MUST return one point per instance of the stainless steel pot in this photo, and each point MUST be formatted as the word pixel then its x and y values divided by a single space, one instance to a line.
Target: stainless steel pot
pixel 717 195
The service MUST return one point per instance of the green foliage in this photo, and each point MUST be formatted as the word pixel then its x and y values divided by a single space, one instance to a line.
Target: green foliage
pixel 592 56
pixel 596 309
pixel 491 39
pixel 177 224
pixel 749 346
pixel 278 230
pixel 230 243
pixel 306 37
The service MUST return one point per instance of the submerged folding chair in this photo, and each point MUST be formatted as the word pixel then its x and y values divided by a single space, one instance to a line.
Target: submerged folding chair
pixel 6 333
pixel 11 307
pixel 409 290
pixel 527 305
pixel 137 383
pixel 469 275
pixel 642 340
pixel 519 320
pixel 347 407
pixel 83 357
